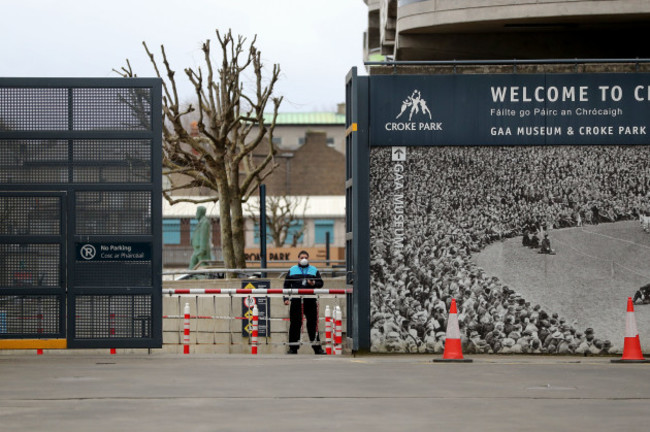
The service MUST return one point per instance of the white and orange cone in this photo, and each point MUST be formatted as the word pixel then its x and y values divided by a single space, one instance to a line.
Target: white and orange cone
pixel 632 345
pixel 453 348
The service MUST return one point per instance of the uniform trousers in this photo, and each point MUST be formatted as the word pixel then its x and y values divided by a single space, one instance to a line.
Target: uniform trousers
pixel 308 306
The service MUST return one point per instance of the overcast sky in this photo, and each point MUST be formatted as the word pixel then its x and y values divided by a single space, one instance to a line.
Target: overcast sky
pixel 316 42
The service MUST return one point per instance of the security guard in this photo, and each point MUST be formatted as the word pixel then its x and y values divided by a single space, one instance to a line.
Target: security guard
pixel 300 276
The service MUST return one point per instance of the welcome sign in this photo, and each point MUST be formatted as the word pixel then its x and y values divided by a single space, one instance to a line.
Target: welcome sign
pixel 510 109
pixel 524 197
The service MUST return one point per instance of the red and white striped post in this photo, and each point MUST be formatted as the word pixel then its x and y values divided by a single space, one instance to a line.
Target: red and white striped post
pixel 338 334
pixel 333 324
pixel 328 330
pixel 39 351
pixel 254 331
pixel 186 329
pixel 111 327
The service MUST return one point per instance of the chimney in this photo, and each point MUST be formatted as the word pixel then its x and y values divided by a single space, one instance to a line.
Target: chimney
pixel 340 108
pixel 194 131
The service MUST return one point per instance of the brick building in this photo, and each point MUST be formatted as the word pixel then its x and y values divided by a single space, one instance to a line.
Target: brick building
pixel 314 168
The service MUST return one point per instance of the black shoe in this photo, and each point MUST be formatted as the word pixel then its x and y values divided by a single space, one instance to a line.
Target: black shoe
pixel 319 351
pixel 292 352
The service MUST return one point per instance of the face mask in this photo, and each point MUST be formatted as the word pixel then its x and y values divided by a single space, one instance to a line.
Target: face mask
pixel 304 262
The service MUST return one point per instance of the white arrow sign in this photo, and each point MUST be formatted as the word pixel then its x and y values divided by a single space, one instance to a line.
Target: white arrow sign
pixel 398 154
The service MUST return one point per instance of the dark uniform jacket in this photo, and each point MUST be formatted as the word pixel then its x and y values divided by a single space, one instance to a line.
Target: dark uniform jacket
pixel 298 276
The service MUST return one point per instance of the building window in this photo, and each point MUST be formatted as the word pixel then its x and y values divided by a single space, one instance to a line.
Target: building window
pixel 321 228
pixel 277 141
pixel 171 231
pixel 256 236
pixel 301 141
pixel 330 142
pixel 295 228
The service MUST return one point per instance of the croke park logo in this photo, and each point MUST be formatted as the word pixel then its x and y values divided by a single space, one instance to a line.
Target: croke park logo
pixel 414 106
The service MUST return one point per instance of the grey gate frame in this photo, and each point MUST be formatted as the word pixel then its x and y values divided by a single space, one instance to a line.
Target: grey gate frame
pixel 357 203
pixel 81 211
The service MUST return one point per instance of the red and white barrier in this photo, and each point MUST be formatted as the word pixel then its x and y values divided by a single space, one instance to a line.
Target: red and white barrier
pixel 332 317
pixel 186 329
pixel 254 330
pixel 261 291
pixel 338 331
pixel 219 317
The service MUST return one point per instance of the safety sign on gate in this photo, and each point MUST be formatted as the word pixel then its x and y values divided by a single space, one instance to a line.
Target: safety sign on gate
pixel 263 309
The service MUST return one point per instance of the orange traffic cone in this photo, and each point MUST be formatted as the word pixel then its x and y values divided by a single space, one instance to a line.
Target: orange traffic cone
pixel 632 346
pixel 453 349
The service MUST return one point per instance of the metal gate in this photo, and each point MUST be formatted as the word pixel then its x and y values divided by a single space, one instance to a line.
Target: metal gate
pixel 32 264
pixel 81 211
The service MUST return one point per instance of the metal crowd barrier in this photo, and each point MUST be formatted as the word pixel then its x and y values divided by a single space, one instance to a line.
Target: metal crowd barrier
pixel 328 342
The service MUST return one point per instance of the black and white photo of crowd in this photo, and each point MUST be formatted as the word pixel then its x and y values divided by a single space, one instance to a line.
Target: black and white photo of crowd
pixel 459 200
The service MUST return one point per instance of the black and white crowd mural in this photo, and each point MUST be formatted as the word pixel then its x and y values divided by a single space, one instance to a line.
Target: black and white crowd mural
pixel 540 246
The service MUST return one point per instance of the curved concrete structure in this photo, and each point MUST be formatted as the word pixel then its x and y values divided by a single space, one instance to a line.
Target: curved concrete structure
pixel 493 29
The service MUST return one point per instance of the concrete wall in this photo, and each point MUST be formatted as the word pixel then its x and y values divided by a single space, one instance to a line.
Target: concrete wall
pixel 486 29
pixel 477 14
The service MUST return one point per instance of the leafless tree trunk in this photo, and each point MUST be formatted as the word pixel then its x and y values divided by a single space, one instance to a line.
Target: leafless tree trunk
pixel 231 125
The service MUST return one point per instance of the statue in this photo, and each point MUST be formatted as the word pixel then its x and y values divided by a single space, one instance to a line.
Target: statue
pixel 200 238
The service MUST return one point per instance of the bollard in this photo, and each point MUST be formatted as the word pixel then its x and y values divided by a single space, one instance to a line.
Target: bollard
pixel 338 337
pixel 254 330
pixel 328 330
pixel 111 328
pixel 40 328
pixel 186 330
pixel 334 309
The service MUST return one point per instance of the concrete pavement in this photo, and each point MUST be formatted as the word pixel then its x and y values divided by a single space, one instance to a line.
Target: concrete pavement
pixel 77 391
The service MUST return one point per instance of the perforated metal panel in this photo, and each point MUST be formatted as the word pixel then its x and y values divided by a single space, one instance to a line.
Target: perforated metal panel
pixel 111 109
pixel 32 290
pixel 113 274
pixel 104 213
pixel 108 161
pixel 34 109
pixel 106 317
pixel 80 171
pixel 30 316
pixel 30 265
pixel 30 215
pixel 33 161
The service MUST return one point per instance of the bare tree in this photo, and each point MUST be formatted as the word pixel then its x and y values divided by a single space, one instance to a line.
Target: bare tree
pixel 231 125
pixel 283 214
